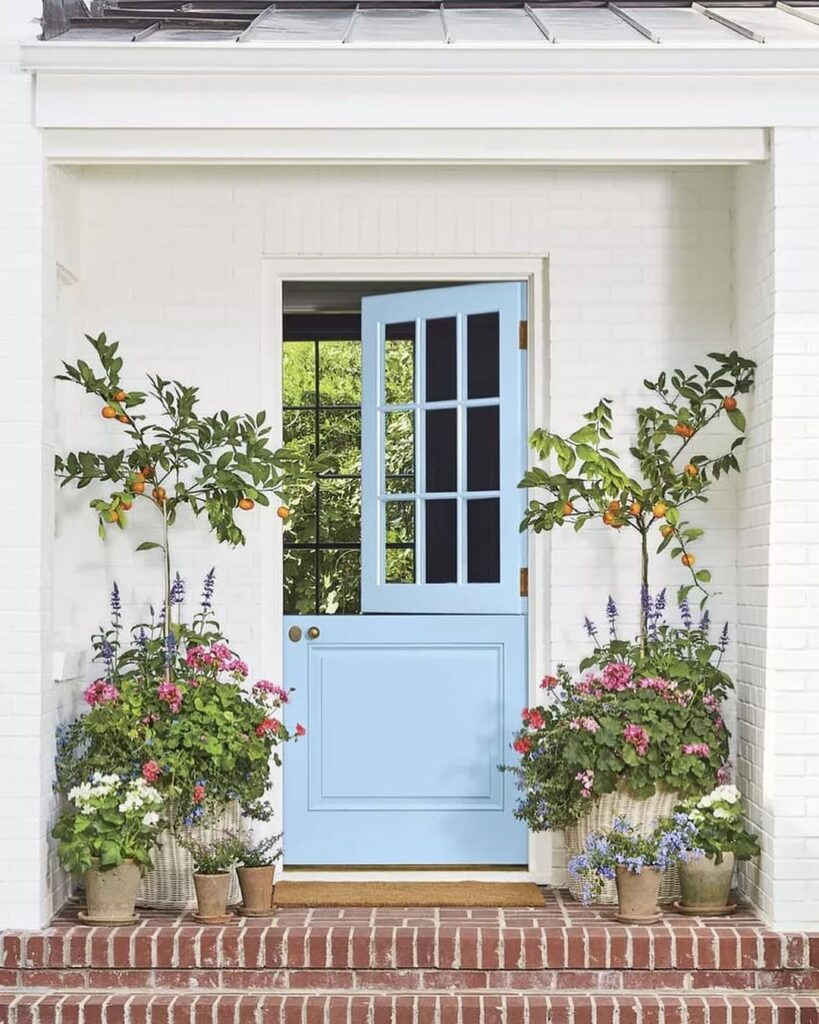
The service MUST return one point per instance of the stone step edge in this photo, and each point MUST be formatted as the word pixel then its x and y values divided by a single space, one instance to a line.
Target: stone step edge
pixel 117 998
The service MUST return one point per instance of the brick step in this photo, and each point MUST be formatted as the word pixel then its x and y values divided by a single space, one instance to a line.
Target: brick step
pixel 80 1007
pixel 409 980
pixel 471 945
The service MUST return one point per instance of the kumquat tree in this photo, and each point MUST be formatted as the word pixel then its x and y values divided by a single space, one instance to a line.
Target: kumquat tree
pixel 591 481
pixel 174 457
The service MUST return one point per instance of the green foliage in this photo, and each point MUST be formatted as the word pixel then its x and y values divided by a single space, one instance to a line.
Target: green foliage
pixel 214 856
pixel 261 853
pixel 201 741
pixel 323 418
pixel 718 817
pixel 585 478
pixel 207 463
pixel 109 820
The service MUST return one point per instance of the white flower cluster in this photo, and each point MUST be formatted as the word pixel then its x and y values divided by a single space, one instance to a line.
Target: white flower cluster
pixel 100 785
pixel 722 794
pixel 719 796
pixel 138 795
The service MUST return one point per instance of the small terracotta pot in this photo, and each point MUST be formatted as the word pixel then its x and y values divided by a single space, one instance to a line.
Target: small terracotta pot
pixel 257 888
pixel 637 895
pixel 111 894
pixel 212 894
pixel 706 885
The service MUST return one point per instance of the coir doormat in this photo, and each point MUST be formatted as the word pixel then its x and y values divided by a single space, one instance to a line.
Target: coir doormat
pixel 407 894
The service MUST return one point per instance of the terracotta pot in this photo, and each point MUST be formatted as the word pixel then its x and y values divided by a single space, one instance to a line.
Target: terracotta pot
pixel 637 895
pixel 111 894
pixel 212 893
pixel 707 885
pixel 257 887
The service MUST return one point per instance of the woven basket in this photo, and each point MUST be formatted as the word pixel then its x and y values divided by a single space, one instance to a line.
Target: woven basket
pixel 169 886
pixel 643 812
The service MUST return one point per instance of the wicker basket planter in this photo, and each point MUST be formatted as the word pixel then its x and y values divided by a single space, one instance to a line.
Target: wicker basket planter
pixel 642 812
pixel 170 885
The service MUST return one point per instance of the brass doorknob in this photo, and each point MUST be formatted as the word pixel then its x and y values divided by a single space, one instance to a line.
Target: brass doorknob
pixel 294 633
pixel 313 632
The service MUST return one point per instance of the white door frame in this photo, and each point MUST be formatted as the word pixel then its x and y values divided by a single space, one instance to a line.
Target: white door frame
pixel 534 271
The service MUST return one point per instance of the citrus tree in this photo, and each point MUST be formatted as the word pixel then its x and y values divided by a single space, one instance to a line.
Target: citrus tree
pixel 586 480
pixel 171 457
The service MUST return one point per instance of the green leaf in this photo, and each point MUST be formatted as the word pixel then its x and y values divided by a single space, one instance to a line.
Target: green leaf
pixel 737 418
pixel 148 545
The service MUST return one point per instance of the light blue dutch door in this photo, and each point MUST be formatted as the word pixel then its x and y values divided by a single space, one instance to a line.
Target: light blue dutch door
pixel 410 704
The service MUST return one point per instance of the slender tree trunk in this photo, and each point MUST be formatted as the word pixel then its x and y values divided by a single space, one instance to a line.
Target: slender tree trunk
pixel 166 558
pixel 644 589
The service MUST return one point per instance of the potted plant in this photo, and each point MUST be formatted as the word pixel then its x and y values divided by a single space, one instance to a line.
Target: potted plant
pixel 107 833
pixel 256 870
pixel 706 881
pixel 213 862
pixel 640 730
pixel 635 862
pixel 205 742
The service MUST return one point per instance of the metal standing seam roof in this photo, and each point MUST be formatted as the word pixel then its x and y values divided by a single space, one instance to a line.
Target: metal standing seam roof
pixel 425 23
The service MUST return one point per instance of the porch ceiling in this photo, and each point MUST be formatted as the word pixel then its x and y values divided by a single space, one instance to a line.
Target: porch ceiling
pixel 728 24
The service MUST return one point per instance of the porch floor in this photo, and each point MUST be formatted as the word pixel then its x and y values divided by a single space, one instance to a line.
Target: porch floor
pixel 558 964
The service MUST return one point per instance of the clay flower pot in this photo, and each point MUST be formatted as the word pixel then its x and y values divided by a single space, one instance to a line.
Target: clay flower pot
pixel 637 895
pixel 257 889
pixel 111 894
pixel 212 893
pixel 706 886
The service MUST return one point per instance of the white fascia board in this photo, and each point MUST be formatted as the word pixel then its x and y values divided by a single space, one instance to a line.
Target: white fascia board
pixel 444 102
pixel 556 146
pixel 243 86
pixel 402 58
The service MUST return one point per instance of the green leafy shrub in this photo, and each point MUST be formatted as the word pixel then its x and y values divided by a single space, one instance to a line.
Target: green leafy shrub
pixel 174 708
pixel 719 820
pixel 109 820
pixel 215 856
pixel 624 725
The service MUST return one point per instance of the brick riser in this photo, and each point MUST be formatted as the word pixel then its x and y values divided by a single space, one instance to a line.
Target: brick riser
pixel 233 1008
pixel 410 980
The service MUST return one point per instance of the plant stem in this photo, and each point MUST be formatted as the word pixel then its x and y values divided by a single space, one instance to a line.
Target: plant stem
pixel 166 559
pixel 644 588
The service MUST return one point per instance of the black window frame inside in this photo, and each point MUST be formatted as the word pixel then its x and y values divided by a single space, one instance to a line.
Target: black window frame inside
pixel 318 328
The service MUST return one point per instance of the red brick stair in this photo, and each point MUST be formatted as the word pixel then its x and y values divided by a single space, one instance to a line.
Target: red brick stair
pixel 561 963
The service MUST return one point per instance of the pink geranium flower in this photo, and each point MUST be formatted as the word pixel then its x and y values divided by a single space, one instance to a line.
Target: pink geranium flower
pixel 171 694
pixel 522 745
pixel 616 677
pixel 265 688
pixel 300 730
pixel 637 737
pixel 151 771
pixel 101 692
pixel 268 725
pixel 549 682
pixel 698 749
pixel 586 780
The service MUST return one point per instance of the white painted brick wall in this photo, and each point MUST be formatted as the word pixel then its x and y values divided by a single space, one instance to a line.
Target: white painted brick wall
pixel 777 244
pixel 28 695
pixel 640 280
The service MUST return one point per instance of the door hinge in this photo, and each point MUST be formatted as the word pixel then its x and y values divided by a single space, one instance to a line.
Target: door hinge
pixel 524 582
pixel 523 334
